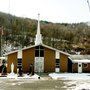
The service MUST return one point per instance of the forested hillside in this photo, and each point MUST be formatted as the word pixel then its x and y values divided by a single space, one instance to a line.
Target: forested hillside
pixel 18 31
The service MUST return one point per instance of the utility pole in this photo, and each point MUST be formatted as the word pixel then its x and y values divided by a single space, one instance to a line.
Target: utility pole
pixel 0 41
pixel 88 5
pixel 1 30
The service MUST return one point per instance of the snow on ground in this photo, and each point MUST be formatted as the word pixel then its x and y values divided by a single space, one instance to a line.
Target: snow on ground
pixel 25 76
pixel 35 76
pixel 77 85
pixel 70 76
pixel 73 81
pixel 14 80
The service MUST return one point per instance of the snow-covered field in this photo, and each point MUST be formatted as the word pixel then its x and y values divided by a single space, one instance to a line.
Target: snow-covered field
pixel 73 81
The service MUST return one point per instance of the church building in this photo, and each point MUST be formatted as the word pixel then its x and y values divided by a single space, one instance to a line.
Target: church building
pixel 44 58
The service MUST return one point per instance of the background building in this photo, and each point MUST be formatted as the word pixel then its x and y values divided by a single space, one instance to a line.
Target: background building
pixel 80 63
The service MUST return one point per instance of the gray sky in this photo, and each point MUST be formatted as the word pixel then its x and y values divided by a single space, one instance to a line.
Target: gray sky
pixel 70 11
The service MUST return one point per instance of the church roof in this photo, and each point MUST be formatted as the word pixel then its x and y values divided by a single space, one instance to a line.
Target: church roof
pixel 47 47
pixel 38 45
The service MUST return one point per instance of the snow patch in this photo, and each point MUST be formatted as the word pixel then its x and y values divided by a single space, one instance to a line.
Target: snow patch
pixel 76 81
pixel 13 84
pixel 70 76
pixel 84 86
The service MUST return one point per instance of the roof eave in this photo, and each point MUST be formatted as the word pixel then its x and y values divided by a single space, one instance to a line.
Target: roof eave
pixel 38 45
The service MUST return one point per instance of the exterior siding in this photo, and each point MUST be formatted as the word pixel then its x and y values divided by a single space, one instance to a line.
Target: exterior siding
pixel 75 68
pixel 28 58
pixel 86 69
pixel 49 60
pixel 63 63
pixel 12 58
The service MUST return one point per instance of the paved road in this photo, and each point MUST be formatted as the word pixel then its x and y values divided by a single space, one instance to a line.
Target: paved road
pixel 28 84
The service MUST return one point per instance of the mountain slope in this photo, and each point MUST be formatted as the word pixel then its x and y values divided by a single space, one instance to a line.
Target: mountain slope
pixel 19 31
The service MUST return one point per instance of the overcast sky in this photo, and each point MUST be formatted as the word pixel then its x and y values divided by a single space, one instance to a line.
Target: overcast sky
pixel 70 11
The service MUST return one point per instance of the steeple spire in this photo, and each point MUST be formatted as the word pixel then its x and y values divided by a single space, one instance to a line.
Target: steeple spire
pixel 38 39
pixel 38 27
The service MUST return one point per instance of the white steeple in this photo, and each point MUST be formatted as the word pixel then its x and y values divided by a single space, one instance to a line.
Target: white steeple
pixel 38 39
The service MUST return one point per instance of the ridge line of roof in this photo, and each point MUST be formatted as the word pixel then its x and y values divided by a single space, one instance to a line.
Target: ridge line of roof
pixel 38 45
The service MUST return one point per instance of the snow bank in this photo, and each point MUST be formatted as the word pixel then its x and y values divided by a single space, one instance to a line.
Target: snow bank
pixel 12 75
pixel 25 76
pixel 70 76
pixel 35 76
pixel 77 81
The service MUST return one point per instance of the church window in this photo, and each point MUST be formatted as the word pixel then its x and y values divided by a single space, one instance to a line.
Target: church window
pixel 39 51
pixel 19 62
pixel 57 63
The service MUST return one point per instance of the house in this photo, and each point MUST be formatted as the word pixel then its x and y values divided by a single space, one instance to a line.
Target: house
pixel 80 63
pixel 44 58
